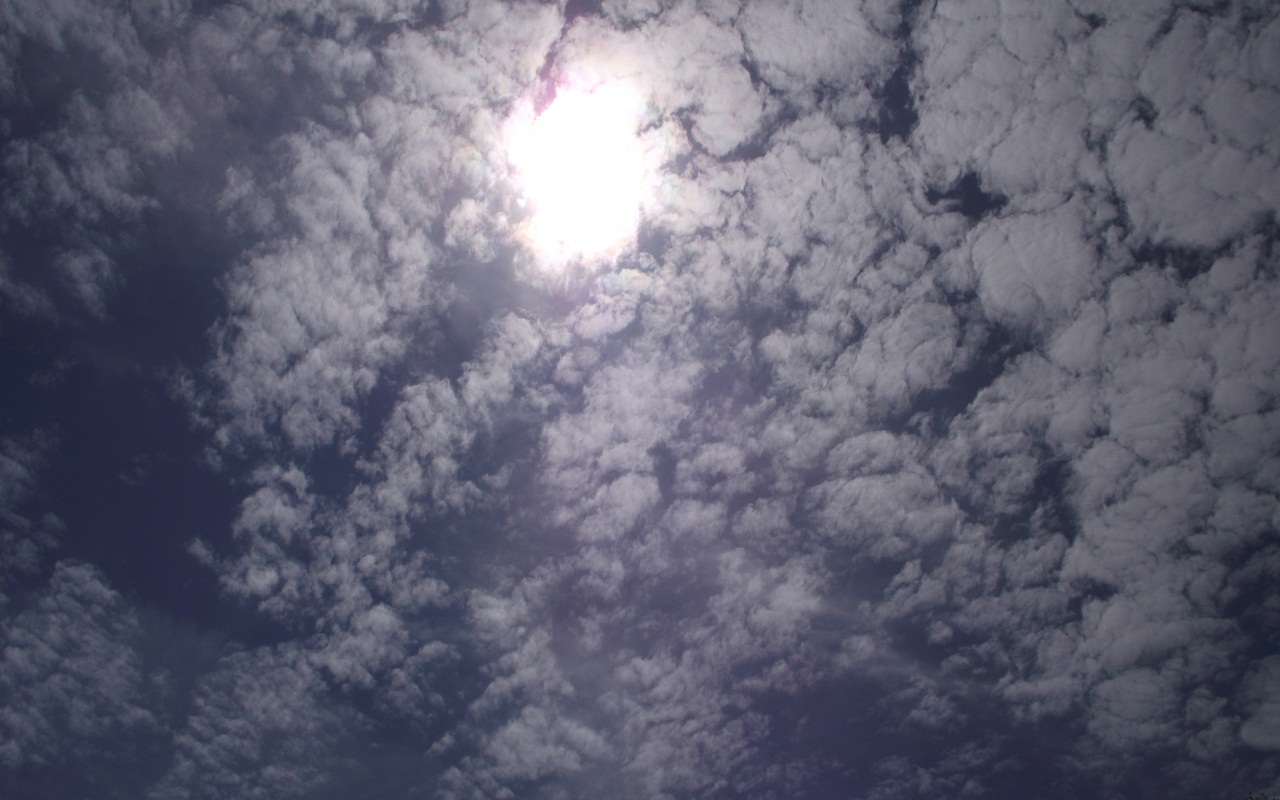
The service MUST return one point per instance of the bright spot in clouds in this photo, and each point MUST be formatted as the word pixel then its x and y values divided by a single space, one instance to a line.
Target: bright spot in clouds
pixel 581 168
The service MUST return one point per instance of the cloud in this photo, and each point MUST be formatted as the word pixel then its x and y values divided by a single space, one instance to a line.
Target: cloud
pixel 1034 269
pixel 79 179
pixel 1212 191
pixel 1261 727
pixel 970 426
pixel 841 44
pixel 72 679
pixel 259 727
pixel 24 538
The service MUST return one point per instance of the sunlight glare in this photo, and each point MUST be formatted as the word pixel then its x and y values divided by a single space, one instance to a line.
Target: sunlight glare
pixel 581 168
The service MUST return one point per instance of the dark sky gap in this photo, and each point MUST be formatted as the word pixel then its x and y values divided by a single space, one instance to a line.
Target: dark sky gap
pixel 967 197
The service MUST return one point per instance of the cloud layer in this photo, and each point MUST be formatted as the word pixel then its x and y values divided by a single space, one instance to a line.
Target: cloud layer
pixel 926 444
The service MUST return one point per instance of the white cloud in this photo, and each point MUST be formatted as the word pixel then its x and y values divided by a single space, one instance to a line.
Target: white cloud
pixel 832 432
pixel 1206 167
pixel 1034 269
pixel 798 44
pixel 716 436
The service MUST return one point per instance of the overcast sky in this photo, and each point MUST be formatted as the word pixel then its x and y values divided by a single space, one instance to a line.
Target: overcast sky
pixel 924 442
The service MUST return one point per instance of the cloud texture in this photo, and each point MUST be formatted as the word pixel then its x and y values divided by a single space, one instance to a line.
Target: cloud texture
pixel 925 445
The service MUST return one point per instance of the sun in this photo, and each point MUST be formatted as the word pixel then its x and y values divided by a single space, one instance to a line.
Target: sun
pixel 580 166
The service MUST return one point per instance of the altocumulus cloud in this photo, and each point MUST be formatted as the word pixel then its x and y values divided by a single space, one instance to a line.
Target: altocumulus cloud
pixel 925 443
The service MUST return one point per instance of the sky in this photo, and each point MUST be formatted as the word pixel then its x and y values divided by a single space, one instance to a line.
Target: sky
pixel 919 437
